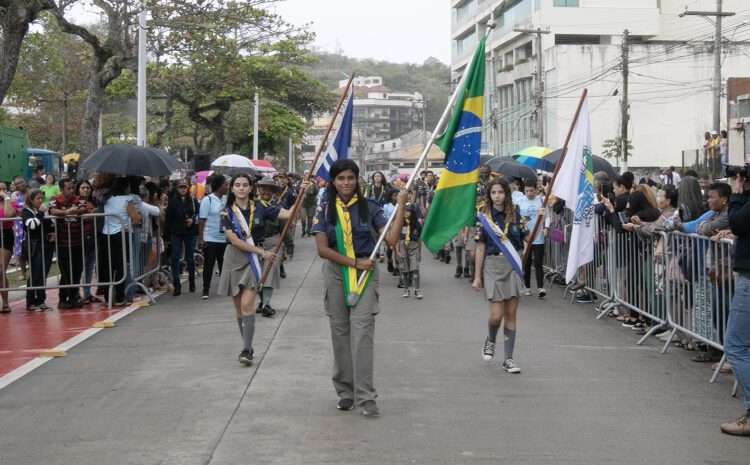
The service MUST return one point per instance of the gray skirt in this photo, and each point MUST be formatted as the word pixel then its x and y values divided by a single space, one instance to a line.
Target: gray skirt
pixel 410 253
pixel 274 278
pixel 501 282
pixel 236 273
pixel 334 303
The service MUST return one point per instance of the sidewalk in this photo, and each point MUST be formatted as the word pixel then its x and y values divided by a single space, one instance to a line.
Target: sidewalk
pixel 164 387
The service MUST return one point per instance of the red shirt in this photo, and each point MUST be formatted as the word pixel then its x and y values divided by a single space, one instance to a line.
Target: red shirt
pixel 69 227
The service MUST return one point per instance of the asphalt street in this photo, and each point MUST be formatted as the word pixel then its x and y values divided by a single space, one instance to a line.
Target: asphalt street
pixel 164 387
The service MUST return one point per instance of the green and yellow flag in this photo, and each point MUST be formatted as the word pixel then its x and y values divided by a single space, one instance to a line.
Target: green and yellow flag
pixel 454 204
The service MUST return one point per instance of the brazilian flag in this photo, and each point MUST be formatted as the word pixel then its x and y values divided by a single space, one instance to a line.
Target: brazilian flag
pixel 454 204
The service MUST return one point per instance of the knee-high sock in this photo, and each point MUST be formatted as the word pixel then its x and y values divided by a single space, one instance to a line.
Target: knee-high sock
pixel 510 342
pixel 248 331
pixel 493 332
pixel 415 279
pixel 239 323
pixel 459 256
pixel 265 295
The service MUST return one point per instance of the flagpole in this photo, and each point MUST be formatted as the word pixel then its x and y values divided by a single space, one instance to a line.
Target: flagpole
pixel 426 149
pixel 308 176
pixel 540 217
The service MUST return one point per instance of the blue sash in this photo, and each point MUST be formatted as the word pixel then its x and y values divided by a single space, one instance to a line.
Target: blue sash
pixel 240 230
pixel 503 243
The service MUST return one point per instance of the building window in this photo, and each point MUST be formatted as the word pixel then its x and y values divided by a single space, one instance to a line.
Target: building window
pixel 565 3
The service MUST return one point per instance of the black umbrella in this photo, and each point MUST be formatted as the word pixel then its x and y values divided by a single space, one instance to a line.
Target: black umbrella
pixel 131 160
pixel 600 164
pixel 510 168
pixel 483 159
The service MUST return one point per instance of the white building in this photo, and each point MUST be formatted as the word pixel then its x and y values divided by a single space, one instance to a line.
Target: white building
pixel 671 70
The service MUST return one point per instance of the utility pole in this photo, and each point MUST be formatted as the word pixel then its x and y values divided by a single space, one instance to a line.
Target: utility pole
pixel 142 116
pixel 255 128
pixel 716 86
pixel 539 97
pixel 624 118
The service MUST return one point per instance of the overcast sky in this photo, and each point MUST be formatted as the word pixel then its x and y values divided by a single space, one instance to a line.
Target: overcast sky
pixel 394 30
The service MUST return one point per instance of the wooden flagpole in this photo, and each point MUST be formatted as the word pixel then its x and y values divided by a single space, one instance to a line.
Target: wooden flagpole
pixel 540 217
pixel 308 176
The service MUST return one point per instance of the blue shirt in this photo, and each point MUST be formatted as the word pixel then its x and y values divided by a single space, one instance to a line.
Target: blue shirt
pixel 261 214
pixel 528 209
pixel 210 209
pixel 363 230
pixel 286 198
pixel 514 232
pixel 116 205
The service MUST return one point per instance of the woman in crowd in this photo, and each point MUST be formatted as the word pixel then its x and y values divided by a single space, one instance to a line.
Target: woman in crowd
pixel 121 213
pixel 243 222
pixel 377 190
pixel 84 192
pixel 8 209
pixel 502 283
pixel 210 237
pixel 691 202
pixel 345 229
pixel 38 248
pixel 181 224
pixel 20 190
pixel 409 248
pixel 50 188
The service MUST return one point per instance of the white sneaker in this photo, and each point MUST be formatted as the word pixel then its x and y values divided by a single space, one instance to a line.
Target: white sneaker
pixel 511 367
pixel 542 293
pixel 527 292
pixel 417 294
pixel 406 293
pixel 489 350
pixel 664 336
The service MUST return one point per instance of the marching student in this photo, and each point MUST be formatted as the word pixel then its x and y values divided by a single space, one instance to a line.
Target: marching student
pixel 243 223
pixel 345 227
pixel 500 239
pixel 409 248
pixel 271 237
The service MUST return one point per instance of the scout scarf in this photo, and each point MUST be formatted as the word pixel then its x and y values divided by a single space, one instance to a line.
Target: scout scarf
pixel 244 231
pixel 407 220
pixel 500 239
pixel 345 244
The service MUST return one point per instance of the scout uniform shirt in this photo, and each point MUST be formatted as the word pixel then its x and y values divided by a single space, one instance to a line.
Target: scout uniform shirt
pixel 363 230
pixel 261 214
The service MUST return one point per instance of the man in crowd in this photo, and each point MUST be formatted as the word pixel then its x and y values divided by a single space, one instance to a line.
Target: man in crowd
pixel 37 179
pixel 671 177
pixel 68 207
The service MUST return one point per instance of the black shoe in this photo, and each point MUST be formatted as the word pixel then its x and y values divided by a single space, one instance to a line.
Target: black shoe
pixel 259 308
pixel 191 285
pixel 282 272
pixel 177 290
pixel 268 312
pixel 447 258
pixel 62 305
pixel 204 296
pixel 246 357
pixel 390 267
pixel 459 272
pixel 370 408
pixel 395 272
pixel 467 272
pixel 345 404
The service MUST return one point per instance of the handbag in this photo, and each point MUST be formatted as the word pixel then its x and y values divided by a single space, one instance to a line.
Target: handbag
pixel 557 233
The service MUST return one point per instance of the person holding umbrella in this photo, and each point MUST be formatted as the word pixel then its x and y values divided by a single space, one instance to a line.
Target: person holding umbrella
pixel 181 229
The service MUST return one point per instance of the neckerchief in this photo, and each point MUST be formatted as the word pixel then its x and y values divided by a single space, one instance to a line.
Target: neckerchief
pixel 345 244
pixel 244 232
pixel 407 219
pixel 500 239
pixel 378 197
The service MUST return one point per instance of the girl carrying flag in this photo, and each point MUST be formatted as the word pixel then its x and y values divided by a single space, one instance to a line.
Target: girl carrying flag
pixel 345 228
pixel 409 249
pixel 500 240
pixel 243 221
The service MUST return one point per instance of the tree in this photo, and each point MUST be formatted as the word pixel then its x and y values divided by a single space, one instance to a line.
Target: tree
pixel 213 58
pixel 612 148
pixel 15 17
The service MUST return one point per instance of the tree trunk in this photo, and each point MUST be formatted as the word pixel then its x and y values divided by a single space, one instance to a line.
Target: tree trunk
pixel 94 104
pixel 15 24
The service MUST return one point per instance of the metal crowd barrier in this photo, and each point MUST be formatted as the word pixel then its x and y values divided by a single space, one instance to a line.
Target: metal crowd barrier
pixel 78 258
pixel 145 258
pixel 556 253
pixel 699 285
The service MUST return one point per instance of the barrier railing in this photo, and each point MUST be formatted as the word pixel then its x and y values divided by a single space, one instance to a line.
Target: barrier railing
pixel 145 259
pixel 80 247
pixel 556 253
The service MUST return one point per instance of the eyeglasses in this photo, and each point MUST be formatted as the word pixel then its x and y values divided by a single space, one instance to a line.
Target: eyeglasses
pixel 182 187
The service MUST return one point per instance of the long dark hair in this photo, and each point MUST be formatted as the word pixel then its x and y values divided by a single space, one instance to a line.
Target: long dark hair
pixel 251 195
pixel 508 209
pixel 339 166
pixel 90 197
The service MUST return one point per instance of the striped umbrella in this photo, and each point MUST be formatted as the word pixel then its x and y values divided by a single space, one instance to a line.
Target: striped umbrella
pixel 533 158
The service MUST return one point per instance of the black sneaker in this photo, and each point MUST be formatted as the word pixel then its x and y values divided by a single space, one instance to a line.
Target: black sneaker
pixel 62 305
pixel 467 272
pixel 459 272
pixel 345 404
pixel 282 271
pixel 447 258
pixel 246 357
pixel 390 267
pixel 369 408
pixel 268 312
pixel 205 295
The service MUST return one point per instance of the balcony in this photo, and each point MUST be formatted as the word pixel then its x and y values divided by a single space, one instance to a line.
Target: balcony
pixel 519 71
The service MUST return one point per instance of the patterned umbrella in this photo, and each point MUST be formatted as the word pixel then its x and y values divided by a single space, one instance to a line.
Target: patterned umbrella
pixel 532 157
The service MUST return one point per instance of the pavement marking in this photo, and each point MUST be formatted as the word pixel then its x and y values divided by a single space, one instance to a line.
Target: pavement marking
pixel 62 349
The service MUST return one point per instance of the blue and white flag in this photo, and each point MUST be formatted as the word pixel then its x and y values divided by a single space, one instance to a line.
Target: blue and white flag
pixel 503 243
pixel 575 185
pixel 339 148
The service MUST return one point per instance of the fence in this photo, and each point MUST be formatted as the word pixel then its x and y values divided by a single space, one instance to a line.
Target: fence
pixel 682 282
pixel 123 256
